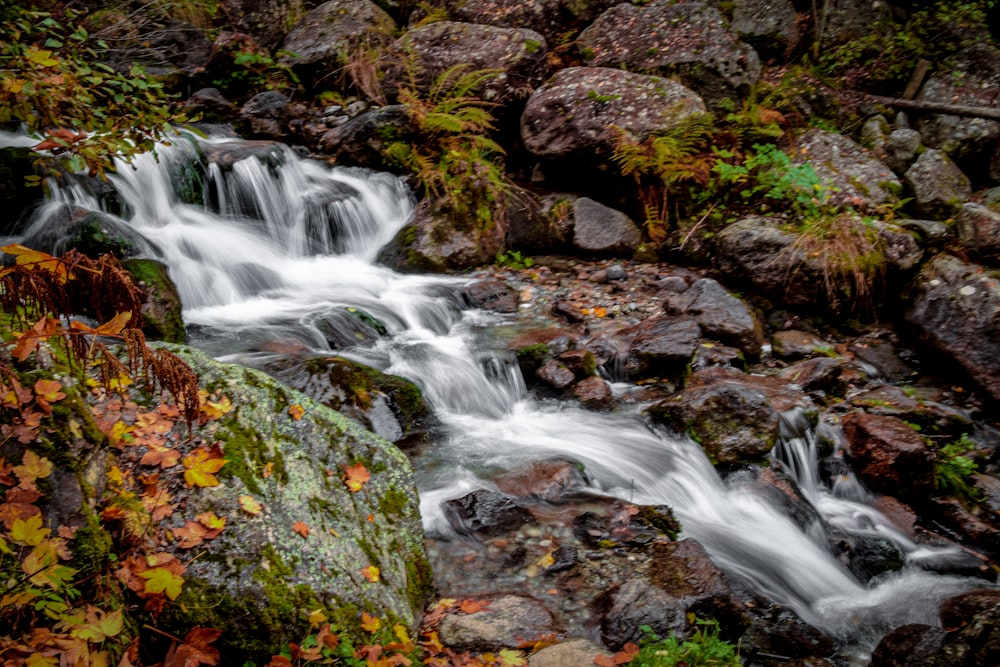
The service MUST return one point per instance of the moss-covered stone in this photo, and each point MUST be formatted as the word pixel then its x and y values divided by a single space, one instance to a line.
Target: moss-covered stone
pixel 161 308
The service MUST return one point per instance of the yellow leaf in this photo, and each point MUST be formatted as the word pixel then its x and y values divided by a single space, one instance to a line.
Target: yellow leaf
pixel 546 561
pixel 32 467
pixel 114 326
pixel 49 390
pixel 371 573
pixel 99 626
pixel 296 411
pixel 162 580
pixel 317 617
pixel 201 468
pixel 250 505
pixel 512 658
pixel 214 409
pixel 211 521
pixel 370 623
pixel 357 475
pixel 39 660
pixel 28 532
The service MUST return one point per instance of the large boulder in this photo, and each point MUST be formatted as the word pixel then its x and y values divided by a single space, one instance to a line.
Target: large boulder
pixel 955 308
pixel 516 56
pixel 889 455
pixel 266 20
pixel 972 78
pixel 939 187
pixel 689 40
pixel 719 314
pixel 259 579
pixel 364 140
pixel 325 38
pixel 732 423
pixel 661 346
pixel 266 115
pixel 851 175
pixel 598 229
pixel 161 304
pixel 575 115
pixel 770 26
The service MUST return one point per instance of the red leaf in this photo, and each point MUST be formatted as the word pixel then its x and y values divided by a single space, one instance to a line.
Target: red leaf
pixel 301 528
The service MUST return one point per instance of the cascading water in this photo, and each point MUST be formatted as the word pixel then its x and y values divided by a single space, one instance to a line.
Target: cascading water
pixel 285 242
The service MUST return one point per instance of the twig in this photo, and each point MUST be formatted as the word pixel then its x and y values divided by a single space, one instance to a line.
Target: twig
pixel 939 107
pixel 687 237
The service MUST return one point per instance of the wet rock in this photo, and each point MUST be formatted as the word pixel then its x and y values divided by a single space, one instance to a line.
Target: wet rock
pixel 869 557
pixel 931 416
pixel 568 311
pixel 782 632
pixel 684 570
pixel 388 405
pixel 571 653
pixel 661 346
pixel 888 455
pixel 507 621
pixel 183 45
pixel 62 227
pixel 731 423
pixel 349 327
pixel 712 354
pixel 573 114
pixel 908 645
pixel 782 491
pixel 546 480
pixel 972 77
pixel 485 513
pixel 939 187
pixel 779 392
pixel 581 362
pixel 979 229
pixel 267 20
pixel 882 356
pixel 719 314
pixel 818 373
pixel 325 37
pixel 844 20
pixel 599 229
pixel 848 172
pixel 793 344
pixel 556 375
pixel 690 41
pixel 972 530
pixel 540 225
pixel 930 232
pixel 619 612
pixel 363 140
pixel 972 623
pixel 266 114
pixel 594 393
pixel 518 54
pixel 899 246
pixel 494 295
pixel 954 308
pixel 212 105
pixel 226 154
pixel 161 304
pixel 552 18
pixel 770 26
pixel 563 558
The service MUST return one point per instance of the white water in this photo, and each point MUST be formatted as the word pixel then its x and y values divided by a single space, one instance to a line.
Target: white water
pixel 284 245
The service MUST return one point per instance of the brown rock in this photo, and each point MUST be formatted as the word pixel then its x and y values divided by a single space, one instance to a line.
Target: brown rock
pixel 888 455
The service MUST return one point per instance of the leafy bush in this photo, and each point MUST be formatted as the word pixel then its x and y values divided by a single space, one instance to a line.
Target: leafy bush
pixel 953 468
pixel 703 649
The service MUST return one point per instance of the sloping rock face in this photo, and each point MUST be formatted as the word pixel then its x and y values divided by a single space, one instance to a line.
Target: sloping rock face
pixel 689 40
pixel 719 314
pixel 575 114
pixel 979 229
pixel 854 177
pixel 955 308
pixel 518 54
pixel 325 36
pixel 552 18
pixel 259 578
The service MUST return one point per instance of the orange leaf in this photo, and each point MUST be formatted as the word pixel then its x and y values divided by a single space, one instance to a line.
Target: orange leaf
pixel 250 505
pixel 357 475
pixel 301 528
pixel 473 606
pixel 296 411
pixel 48 390
pixel 196 650
pixel 371 573
pixel 190 534
pixel 29 340
pixel 202 464
pixel 214 524
pixel 164 457
pixel 370 623
pixel 114 326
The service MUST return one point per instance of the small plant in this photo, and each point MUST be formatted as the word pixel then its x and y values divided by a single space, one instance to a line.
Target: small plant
pixel 703 649
pixel 254 71
pixel 512 259
pixel 953 468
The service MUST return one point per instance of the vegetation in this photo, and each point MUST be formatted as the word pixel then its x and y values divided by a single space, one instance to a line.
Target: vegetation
pixel 703 649
pixel 953 468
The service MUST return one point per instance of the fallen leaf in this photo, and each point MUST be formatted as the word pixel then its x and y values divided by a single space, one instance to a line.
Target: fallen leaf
pixel 250 505
pixel 165 457
pixel 371 573
pixel 162 580
pixel 28 532
pixel 99 625
pixel 296 411
pixel 190 534
pixel 317 617
pixel 195 649
pixel 301 528
pixel 369 623
pixel 357 476
pixel 473 606
pixel 202 465
pixel 32 467
pixel 511 658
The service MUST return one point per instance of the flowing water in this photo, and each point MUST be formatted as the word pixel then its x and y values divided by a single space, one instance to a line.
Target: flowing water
pixel 283 243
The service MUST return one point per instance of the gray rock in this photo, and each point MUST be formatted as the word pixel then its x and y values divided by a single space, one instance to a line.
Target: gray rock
pixel 594 393
pixel 972 623
pixel 899 246
pixel 362 141
pixel 556 375
pixel 161 304
pixel 571 653
pixel 552 18
pixel 325 37
pixel 902 148
pixel 495 295
pixel 485 513
pixel 930 232
pixel 972 77
pixel 770 26
pixel 539 224
pixel 939 186
pixel 907 645
pixel 731 423
pixel 603 230
pixel 690 40
pixel 210 103
pixel 227 154
pixel 267 20
pixel 661 346
pixel 792 344
pixel 618 613
pixel 931 416
pixel 576 113
pixel 719 314
pixel 818 373
pixel 979 229
pixel 518 55
pixel 266 114
pixel 782 632
pixel 955 308
pixel 507 622
pixel 844 20
pixel 849 172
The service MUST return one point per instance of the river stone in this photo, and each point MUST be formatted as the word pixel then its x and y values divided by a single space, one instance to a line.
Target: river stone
pixel 792 344
pixel 266 114
pixel 979 229
pixel 492 294
pixel 972 77
pixel 576 113
pixel 556 375
pixel 226 154
pixel 211 105
pixel 161 304
pixel 388 405
pixel 690 41
pixel 540 224
pixel 56 228
pixel 258 579
pixel 954 308
pixel 571 653
pixel 888 455
pixel 931 416
pixel 364 140
pixel 508 621
pixel 972 621
pixel 719 314
pixel 594 393
pixel 870 556
pixel 485 513
pixel 552 18
pixel 783 633
pixel 731 423
pixel 518 56
pixel 782 395
pixel 326 36
pixel 547 480
pixel 599 229
pixel 661 346
pixel 770 26
pixel 818 373
pixel 266 20
pixel 970 528
pixel 908 645
pixel 939 186
pixel 850 174
pixel 617 614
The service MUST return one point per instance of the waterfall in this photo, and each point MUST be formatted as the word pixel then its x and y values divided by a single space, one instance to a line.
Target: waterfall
pixel 281 243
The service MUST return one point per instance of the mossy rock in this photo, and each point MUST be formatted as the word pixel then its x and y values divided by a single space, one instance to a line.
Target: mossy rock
pixel 259 579
pixel 161 307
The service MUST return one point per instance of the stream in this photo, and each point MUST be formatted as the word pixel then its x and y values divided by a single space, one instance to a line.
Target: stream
pixel 268 249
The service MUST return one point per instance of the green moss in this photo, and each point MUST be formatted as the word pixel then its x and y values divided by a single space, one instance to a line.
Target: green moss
pixel 248 455
pixel 162 308
pixel 531 357
pixel 662 518
pixel 393 502
pixel 531 45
